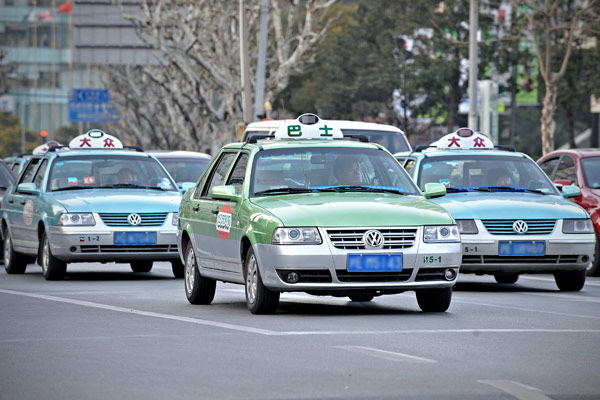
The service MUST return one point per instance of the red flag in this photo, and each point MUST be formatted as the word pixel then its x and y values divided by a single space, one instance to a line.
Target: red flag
pixel 45 16
pixel 65 7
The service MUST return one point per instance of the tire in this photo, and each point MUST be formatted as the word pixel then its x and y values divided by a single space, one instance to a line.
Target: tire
pixel 198 289
pixel 594 268
pixel 53 269
pixel 177 268
pixel 14 263
pixel 141 266
pixel 259 299
pixel 570 281
pixel 361 297
pixel 506 277
pixel 434 300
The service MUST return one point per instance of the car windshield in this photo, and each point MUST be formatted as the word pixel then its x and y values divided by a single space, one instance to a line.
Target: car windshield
pixel 108 171
pixel 6 177
pixel 591 171
pixel 339 169
pixel 185 169
pixel 394 142
pixel 465 173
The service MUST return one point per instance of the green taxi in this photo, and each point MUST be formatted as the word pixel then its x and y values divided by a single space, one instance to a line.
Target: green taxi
pixel 310 210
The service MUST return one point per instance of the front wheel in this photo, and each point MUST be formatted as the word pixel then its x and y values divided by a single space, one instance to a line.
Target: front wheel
pixel 434 300
pixel 141 266
pixel 177 268
pixel 198 289
pixel 259 299
pixel 570 281
pixel 14 263
pixel 506 278
pixel 594 268
pixel 53 269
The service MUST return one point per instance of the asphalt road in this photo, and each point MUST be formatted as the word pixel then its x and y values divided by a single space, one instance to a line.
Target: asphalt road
pixel 107 333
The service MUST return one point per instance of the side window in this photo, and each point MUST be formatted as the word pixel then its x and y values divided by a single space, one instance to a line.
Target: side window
pixel 566 170
pixel 239 172
pixel 39 175
pixel 409 166
pixel 27 175
pixel 218 173
pixel 548 166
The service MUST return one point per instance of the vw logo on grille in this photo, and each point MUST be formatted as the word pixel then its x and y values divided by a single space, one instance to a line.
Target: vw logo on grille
pixel 134 219
pixel 373 239
pixel 520 226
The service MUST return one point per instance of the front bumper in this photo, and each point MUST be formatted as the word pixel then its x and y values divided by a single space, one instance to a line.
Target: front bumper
pixel 562 252
pixel 322 268
pixel 96 243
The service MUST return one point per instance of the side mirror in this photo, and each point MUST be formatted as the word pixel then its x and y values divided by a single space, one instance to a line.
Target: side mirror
pixel 184 186
pixel 560 183
pixel 226 192
pixel 434 190
pixel 571 191
pixel 28 188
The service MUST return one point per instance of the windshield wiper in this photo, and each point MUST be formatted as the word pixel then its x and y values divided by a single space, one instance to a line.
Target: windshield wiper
pixel 460 189
pixel 283 191
pixel 359 188
pixel 74 188
pixel 507 189
pixel 129 185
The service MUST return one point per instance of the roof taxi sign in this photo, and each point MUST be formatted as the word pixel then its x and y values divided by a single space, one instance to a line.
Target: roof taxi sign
pixel 464 139
pixel 95 139
pixel 43 148
pixel 308 126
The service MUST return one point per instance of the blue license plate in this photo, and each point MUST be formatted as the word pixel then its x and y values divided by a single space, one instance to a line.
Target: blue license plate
pixel 374 262
pixel 522 248
pixel 134 238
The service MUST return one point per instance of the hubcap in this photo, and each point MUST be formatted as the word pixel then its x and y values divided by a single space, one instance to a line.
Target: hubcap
pixel 45 254
pixel 7 249
pixel 190 267
pixel 251 279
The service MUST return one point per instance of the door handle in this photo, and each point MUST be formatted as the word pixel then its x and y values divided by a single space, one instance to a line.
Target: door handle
pixel 195 208
pixel 10 200
pixel 215 211
pixel 23 202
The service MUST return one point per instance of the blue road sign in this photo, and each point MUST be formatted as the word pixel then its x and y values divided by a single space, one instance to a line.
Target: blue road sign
pixel 91 105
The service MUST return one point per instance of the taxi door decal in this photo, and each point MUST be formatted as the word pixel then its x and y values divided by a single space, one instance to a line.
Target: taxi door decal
pixel 223 224
pixel 28 212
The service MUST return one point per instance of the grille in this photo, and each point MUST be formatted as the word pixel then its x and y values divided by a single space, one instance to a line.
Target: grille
pixel 431 274
pixel 562 259
pixel 402 276
pixel 148 219
pixel 307 275
pixel 505 226
pixel 129 249
pixel 351 239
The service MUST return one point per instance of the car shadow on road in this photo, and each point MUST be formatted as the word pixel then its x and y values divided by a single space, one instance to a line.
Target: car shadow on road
pixel 84 276
pixel 499 287
pixel 346 309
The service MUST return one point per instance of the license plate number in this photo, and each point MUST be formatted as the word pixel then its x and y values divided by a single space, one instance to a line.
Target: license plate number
pixel 374 262
pixel 134 238
pixel 522 248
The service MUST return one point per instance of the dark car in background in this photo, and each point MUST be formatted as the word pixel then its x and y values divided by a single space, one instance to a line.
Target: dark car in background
pixel 6 179
pixel 184 166
pixel 17 164
pixel 579 167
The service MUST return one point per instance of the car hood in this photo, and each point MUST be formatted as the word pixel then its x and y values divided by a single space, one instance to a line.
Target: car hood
pixel 117 200
pixel 502 205
pixel 353 209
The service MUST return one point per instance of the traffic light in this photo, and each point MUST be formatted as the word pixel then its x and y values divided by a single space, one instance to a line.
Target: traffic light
pixel 44 133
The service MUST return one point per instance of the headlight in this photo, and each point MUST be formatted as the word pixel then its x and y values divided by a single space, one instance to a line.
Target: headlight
pixel 578 226
pixel 77 219
pixel 441 234
pixel 296 236
pixel 174 220
pixel 467 226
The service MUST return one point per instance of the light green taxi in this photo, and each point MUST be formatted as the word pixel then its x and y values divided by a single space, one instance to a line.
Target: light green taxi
pixel 312 211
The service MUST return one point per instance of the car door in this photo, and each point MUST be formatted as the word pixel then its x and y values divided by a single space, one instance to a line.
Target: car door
pixel 21 207
pixel 205 211
pixel 227 252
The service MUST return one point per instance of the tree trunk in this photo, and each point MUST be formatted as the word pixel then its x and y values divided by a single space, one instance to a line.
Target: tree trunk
pixel 570 123
pixel 547 121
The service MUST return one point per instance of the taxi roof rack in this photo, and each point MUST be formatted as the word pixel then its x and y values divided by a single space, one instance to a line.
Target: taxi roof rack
pixel 360 138
pixel 136 148
pixel 422 147
pixel 255 138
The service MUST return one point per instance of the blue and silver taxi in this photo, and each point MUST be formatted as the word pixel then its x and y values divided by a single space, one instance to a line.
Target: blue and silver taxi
pixel 93 201
pixel 512 219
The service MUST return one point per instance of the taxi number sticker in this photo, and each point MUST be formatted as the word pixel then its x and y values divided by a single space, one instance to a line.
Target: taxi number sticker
pixel 224 222
pixel 470 249
pixel 432 259
pixel 89 239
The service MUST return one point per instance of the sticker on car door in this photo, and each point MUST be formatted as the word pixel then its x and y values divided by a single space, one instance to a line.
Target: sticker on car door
pixel 224 222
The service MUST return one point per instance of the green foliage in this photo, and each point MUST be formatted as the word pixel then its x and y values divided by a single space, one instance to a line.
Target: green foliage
pixel 10 136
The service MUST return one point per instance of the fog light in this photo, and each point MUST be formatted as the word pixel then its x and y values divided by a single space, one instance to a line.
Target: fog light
pixel 449 274
pixel 293 277
pixel 585 259
pixel 73 249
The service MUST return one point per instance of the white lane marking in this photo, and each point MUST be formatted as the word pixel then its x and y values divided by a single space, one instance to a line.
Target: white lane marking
pixel 249 329
pixel 519 390
pixel 587 282
pixel 144 313
pixel 384 354
pixel 580 298
pixel 525 309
